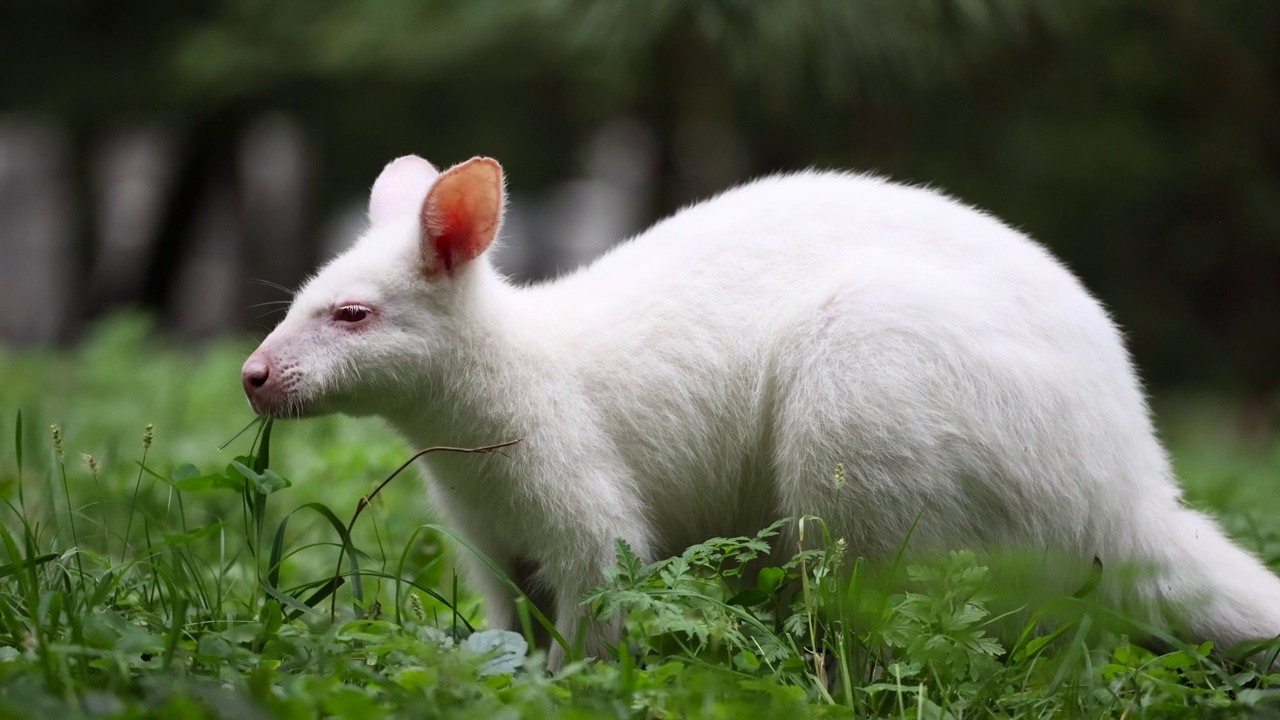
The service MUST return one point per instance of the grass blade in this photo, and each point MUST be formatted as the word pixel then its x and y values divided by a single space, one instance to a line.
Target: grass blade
pixel 546 623
pixel 17 451
pixel 10 568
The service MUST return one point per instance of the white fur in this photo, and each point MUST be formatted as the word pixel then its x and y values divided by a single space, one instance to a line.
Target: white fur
pixel 706 378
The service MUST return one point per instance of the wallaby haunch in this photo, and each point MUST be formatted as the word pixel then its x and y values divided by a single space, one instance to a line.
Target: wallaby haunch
pixel 708 376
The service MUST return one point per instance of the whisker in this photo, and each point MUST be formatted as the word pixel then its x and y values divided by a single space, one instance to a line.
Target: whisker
pixel 276 285
pixel 269 302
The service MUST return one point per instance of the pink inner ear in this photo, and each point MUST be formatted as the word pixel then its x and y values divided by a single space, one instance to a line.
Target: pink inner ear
pixel 461 214
pixel 399 190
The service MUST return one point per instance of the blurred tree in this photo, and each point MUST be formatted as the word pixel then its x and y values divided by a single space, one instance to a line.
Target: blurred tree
pixel 1147 154
pixel 530 77
pixel 92 66
pixel 1138 138
pixel 523 81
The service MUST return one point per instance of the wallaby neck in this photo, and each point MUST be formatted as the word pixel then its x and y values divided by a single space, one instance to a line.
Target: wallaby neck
pixel 493 380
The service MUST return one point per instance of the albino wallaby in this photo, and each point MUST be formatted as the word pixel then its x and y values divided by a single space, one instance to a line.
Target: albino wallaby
pixel 708 376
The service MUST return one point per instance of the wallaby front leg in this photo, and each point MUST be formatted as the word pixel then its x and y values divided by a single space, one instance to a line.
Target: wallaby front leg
pixel 499 599
pixel 575 620
pixel 580 629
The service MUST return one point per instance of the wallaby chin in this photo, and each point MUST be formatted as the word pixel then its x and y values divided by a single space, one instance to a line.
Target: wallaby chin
pixel 710 375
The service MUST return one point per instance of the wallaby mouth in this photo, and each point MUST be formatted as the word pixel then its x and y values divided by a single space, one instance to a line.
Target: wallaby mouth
pixel 271 388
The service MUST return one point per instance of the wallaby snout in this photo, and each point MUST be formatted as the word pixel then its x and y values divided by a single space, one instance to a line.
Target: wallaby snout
pixel 262 385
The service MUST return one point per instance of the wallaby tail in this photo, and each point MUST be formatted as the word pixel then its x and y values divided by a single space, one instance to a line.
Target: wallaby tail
pixel 1207 584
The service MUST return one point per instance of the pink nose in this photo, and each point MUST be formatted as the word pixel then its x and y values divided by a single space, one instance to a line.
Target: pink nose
pixel 255 374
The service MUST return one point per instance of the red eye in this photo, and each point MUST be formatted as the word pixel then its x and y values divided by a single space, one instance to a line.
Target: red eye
pixel 351 313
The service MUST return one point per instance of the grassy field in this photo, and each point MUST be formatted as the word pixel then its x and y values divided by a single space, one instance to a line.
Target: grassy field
pixel 149 573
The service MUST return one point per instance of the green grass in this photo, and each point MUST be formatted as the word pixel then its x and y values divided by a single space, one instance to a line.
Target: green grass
pixel 148 573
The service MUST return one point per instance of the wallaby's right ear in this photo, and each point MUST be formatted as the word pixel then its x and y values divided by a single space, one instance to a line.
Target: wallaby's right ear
pixel 461 214
pixel 400 188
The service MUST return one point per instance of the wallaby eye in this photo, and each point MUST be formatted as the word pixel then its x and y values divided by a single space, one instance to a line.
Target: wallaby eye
pixel 351 313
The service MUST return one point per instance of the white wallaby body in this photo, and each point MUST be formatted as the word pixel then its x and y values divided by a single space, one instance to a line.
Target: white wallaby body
pixel 708 376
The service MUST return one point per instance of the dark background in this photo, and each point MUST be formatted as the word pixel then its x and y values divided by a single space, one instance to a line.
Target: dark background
pixel 160 155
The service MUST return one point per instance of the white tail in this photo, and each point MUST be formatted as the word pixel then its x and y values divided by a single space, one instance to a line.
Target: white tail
pixel 1212 587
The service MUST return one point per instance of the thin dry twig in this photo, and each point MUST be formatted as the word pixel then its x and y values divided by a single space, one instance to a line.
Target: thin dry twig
pixel 367 499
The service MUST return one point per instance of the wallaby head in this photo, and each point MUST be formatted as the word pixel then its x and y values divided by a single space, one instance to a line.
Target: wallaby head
pixel 372 321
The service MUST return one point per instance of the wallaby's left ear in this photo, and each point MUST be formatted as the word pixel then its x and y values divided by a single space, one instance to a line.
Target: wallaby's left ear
pixel 461 214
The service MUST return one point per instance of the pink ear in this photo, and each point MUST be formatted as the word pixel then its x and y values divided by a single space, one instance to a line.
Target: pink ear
pixel 461 214
pixel 399 190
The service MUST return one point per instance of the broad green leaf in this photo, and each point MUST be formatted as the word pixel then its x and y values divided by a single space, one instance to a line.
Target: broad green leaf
pixel 213 646
pixel 504 650
pixel 750 598
pixel 266 482
pixel 189 479
pixel 770 579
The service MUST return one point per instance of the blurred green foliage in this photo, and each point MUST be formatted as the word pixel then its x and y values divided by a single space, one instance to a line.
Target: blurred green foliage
pixel 130 594
pixel 1137 138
